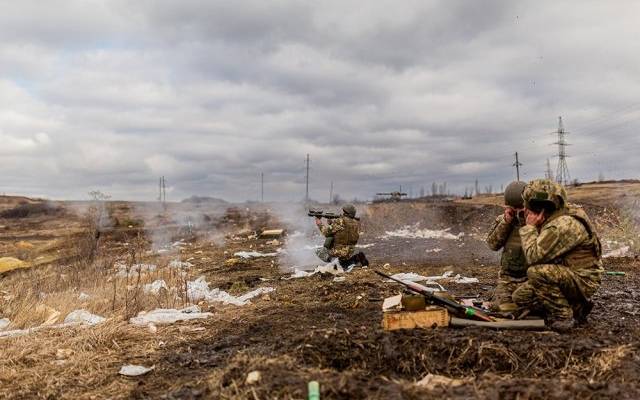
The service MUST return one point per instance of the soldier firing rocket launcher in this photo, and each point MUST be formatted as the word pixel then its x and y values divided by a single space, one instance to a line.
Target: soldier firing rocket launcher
pixel 324 214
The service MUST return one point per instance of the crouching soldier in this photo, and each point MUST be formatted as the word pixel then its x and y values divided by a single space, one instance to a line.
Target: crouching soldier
pixel 564 256
pixel 342 235
pixel 505 235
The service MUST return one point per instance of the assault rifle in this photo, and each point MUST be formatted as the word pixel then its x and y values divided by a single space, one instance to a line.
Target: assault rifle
pixel 456 308
pixel 324 214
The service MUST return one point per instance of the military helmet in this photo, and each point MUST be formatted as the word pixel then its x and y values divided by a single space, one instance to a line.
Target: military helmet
pixel 544 194
pixel 350 210
pixel 513 194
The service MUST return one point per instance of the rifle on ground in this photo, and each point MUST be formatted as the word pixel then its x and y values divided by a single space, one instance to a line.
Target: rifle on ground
pixel 451 305
pixel 324 214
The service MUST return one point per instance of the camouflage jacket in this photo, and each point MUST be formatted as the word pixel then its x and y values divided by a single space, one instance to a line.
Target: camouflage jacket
pixel 559 239
pixel 345 233
pixel 506 236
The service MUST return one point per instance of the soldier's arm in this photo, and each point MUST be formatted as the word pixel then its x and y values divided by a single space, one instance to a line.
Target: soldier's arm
pixel 552 241
pixel 499 233
pixel 332 228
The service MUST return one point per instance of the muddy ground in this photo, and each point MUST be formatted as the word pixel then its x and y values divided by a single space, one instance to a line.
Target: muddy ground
pixel 317 329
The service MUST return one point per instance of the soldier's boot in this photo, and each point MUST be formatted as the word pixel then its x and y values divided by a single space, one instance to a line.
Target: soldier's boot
pixel 581 311
pixel 362 259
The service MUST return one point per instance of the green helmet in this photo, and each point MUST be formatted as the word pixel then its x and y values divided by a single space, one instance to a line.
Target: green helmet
pixel 544 194
pixel 513 194
pixel 349 210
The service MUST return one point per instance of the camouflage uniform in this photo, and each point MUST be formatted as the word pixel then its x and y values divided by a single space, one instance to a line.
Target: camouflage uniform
pixel 344 232
pixel 564 255
pixel 513 265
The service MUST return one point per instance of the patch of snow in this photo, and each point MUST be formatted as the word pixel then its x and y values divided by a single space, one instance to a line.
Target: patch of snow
pixel 365 246
pixel 251 254
pixel 199 290
pixel 164 316
pixel 83 317
pixel 180 264
pixel 134 270
pixel 414 232
pixel 436 250
pixel 155 286
pixel 134 370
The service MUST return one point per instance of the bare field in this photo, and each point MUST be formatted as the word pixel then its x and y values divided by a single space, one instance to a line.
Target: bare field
pixel 311 328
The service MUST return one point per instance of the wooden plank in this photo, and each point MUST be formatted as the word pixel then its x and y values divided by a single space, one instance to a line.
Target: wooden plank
pixel 524 324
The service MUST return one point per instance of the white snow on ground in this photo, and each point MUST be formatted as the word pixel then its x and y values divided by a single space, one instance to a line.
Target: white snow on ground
pixel 365 246
pixel 199 290
pixel 414 232
pixel 74 318
pixel 436 250
pixel 134 370
pixel 621 252
pixel 155 286
pixel 164 316
pixel 251 254
pixel 83 317
pixel 134 269
pixel 180 264
pixel 332 268
pixel 413 277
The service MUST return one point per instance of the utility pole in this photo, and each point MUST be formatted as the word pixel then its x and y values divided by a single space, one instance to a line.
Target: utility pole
pixel 517 164
pixel 164 190
pixel 331 193
pixel 548 173
pixel 306 196
pixel 562 172
pixel 477 187
pixel 261 187
pixel 160 190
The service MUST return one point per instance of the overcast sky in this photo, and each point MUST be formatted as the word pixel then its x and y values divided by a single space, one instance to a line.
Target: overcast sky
pixel 110 95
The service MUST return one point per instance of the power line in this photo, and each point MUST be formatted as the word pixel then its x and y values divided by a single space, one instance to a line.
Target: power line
pixel 562 172
pixel 517 164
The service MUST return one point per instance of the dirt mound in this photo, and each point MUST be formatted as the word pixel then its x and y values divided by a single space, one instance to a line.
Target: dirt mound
pixel 26 210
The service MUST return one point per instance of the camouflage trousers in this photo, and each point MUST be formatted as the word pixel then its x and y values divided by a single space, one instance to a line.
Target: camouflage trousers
pixel 502 295
pixel 343 253
pixel 555 290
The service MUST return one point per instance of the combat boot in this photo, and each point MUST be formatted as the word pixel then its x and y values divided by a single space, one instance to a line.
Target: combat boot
pixel 362 259
pixel 581 311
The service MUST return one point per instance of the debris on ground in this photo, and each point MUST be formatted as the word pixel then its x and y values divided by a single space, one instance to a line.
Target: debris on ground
pixel 253 377
pixel 252 254
pixel 431 381
pixel 155 287
pixel 199 290
pixel 271 234
pixel 133 270
pixel 4 323
pixel 164 316
pixel 180 264
pixel 83 296
pixel 414 232
pixel 621 252
pixel 9 264
pixel 83 317
pixel 135 370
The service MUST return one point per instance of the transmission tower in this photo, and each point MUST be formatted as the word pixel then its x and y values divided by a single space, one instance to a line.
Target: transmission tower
pixel 517 164
pixel 548 174
pixel 562 172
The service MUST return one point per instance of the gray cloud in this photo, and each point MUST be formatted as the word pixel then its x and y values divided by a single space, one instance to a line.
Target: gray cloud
pixel 111 95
